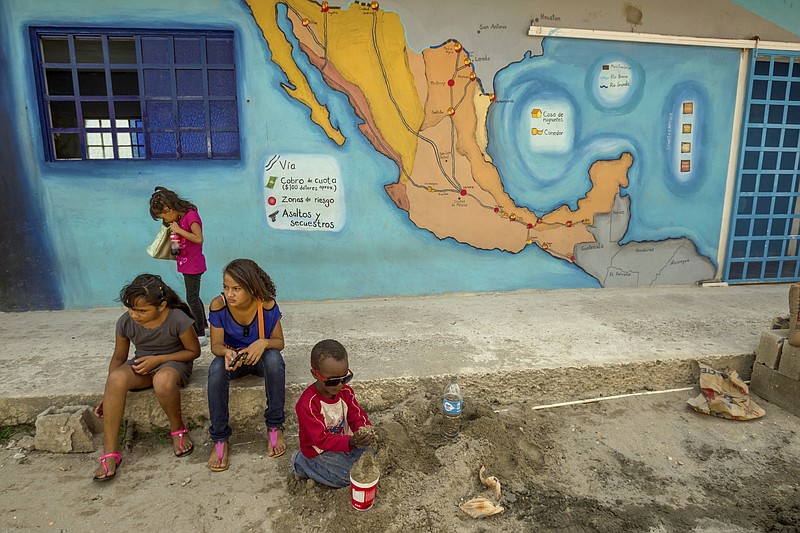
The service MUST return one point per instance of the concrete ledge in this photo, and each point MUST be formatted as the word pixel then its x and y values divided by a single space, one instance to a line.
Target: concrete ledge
pixel 776 388
pixel 543 385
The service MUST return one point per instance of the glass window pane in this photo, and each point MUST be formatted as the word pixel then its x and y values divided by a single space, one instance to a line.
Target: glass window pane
pixel 754 136
pixel 778 90
pixel 89 50
pixel 793 114
pixel 121 51
pixel 127 111
pixel 194 144
pixel 55 50
pixel 757 113
pixel 787 161
pixel 753 270
pixel 794 92
pixel 124 82
pixel 780 66
pixel 221 83
pixel 92 83
pixel 219 51
pixel 157 83
pixel 67 145
pixel 775 114
pixel 769 161
pixel 223 114
pixel 63 115
pixel 785 183
pixel 773 137
pixel 736 271
pixel 94 110
pixel 187 50
pixel 59 82
pixel 191 114
pixel 155 50
pixel 159 115
pixel 759 89
pixel 745 206
pixel 190 82
pixel 224 144
pixel 790 138
pixel 762 66
pixel 766 183
pixel 162 144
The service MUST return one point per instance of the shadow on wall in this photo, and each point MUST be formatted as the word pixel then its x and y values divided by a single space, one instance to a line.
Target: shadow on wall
pixel 27 282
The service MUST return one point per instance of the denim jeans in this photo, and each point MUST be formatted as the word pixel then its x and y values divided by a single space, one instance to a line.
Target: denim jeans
pixel 271 367
pixel 328 468
pixel 192 283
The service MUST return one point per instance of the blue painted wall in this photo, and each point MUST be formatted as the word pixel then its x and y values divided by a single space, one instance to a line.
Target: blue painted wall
pixel 84 225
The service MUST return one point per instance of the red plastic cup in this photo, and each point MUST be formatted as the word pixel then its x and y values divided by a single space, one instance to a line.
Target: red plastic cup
pixel 362 495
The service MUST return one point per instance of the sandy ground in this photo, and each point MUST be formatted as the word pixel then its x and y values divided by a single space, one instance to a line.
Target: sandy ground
pixel 646 463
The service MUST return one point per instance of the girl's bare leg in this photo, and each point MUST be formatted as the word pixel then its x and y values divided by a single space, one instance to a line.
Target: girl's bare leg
pixel 166 383
pixel 119 382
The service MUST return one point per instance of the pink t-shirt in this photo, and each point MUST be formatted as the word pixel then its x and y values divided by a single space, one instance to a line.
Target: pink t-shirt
pixel 191 259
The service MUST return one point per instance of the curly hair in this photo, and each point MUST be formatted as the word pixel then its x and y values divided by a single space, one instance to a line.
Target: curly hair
pixel 327 348
pixel 252 278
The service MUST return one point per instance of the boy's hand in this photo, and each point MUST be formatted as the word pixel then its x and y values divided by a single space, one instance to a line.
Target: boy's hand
pixel 365 436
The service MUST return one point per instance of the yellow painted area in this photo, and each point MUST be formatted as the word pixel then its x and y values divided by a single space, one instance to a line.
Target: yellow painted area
pixel 264 12
pixel 367 47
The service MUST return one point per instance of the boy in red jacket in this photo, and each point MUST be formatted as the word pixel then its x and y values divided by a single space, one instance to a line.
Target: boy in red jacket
pixel 329 418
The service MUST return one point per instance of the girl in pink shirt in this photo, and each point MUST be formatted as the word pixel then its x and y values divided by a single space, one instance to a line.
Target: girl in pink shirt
pixel 182 218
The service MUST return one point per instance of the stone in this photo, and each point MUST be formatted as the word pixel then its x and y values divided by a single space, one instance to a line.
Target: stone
pixel 770 346
pixel 776 388
pixel 790 361
pixel 65 429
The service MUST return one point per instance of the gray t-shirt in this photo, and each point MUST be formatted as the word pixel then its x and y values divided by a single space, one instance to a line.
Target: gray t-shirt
pixel 164 339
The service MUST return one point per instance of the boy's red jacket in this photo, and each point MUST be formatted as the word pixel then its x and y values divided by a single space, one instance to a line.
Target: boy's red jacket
pixel 326 424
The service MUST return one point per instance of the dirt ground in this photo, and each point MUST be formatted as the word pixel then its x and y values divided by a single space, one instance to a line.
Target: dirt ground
pixel 646 463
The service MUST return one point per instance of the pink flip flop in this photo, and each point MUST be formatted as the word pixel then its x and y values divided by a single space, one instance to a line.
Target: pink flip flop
pixel 273 441
pixel 219 449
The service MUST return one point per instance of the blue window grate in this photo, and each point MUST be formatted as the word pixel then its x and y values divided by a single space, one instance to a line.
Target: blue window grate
pixel 108 94
pixel 765 226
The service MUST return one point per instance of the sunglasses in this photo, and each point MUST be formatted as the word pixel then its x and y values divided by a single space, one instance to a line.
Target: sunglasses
pixel 335 381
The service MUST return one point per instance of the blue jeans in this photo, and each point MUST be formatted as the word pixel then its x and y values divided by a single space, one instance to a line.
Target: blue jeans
pixel 271 367
pixel 328 468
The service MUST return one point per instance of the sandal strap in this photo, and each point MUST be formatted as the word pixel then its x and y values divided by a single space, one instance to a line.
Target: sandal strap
pixel 117 459
pixel 219 447
pixel 182 431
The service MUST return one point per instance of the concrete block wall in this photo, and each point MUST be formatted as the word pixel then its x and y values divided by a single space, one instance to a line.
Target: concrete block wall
pixel 776 373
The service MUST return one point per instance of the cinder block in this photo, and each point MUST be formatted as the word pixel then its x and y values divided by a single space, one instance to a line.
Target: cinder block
pixel 776 388
pixel 65 429
pixel 790 361
pixel 770 346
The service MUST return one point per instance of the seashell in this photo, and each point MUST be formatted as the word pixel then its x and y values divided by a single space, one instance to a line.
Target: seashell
pixel 480 508
pixel 491 482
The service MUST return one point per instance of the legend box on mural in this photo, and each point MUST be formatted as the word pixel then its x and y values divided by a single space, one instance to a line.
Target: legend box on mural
pixel 303 192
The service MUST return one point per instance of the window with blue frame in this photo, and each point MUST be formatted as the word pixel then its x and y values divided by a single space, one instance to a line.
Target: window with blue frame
pixel 107 94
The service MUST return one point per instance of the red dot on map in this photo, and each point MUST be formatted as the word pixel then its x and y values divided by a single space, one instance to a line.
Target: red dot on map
pixel 496 209
pixel 530 225
pixel 451 82
pixel 572 259
pixel 271 200
pixel 463 192
pixel 569 223
pixel 325 7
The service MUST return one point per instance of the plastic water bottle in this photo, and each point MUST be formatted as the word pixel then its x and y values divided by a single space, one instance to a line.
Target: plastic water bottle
pixel 451 410
pixel 174 244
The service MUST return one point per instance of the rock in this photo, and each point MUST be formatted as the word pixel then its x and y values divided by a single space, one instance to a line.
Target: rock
pixel 65 429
